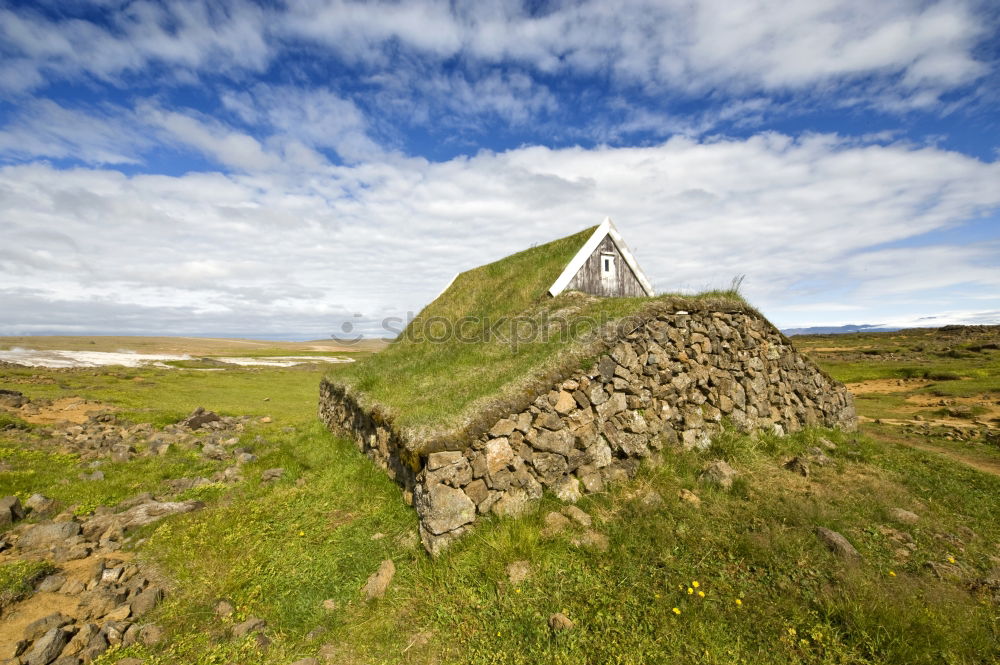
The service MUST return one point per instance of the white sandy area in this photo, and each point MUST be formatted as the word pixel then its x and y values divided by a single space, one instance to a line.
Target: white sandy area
pixel 56 359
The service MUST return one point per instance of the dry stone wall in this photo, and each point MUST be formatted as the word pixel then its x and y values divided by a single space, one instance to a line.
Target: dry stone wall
pixel 674 381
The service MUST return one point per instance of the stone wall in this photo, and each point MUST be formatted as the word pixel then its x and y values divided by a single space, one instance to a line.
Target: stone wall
pixel 673 381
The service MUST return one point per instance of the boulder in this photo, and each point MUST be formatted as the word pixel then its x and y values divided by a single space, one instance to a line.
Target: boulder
pixel 797 465
pixel 568 489
pixel 838 544
pixel 270 475
pixel 559 622
pixel 577 515
pixel 50 534
pixel 39 504
pixel 555 523
pixel 379 581
pixel 10 510
pixel 48 647
pixel 593 540
pixel 251 625
pixel 140 515
pixel 39 627
pixel 688 496
pixel 718 473
pixel 199 418
pixel 151 634
pixel 904 516
pixel 444 509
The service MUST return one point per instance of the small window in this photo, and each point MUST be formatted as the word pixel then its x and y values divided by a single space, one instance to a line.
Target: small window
pixel 607 264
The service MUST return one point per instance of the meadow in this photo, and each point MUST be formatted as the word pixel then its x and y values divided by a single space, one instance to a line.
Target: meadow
pixel 740 577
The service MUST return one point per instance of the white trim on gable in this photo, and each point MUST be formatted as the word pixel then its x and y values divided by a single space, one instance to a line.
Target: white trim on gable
pixel 447 286
pixel 607 228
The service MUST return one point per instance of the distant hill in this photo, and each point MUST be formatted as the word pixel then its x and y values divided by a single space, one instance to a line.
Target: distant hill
pixel 839 330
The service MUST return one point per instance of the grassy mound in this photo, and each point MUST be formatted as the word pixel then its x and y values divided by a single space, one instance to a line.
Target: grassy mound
pixel 494 336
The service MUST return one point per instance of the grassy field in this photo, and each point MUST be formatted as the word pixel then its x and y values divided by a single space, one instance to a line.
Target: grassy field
pixel 772 591
pixel 938 389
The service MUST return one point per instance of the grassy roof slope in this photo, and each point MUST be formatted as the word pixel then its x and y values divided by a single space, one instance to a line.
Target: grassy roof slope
pixel 485 341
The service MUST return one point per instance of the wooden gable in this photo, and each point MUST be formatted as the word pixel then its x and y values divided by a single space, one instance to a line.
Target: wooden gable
pixel 604 266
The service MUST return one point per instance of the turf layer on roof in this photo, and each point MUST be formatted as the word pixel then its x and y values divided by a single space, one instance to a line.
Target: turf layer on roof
pixel 488 338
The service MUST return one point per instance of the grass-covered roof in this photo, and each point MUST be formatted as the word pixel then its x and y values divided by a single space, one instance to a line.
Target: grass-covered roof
pixel 490 340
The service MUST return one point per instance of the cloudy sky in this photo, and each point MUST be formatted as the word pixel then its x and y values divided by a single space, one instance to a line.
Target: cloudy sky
pixel 277 169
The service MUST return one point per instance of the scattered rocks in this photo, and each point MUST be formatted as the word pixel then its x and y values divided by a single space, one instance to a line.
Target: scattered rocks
pixel 38 504
pixel 140 515
pixel 797 465
pixel 904 516
pixel 151 634
pixel 379 581
pixel 518 571
pixel 592 540
pixel 559 622
pixel 555 523
pixel 199 418
pixel 251 625
pixel 687 496
pixel 650 500
pixel 838 544
pixel 224 609
pixel 718 473
pixel 577 515
pixel 48 647
pixel 271 475
pixel 10 510
pixel 47 535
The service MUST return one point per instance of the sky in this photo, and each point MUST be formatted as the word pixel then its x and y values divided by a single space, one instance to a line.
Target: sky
pixel 291 170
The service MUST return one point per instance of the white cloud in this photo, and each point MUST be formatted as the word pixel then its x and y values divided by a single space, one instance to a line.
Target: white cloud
pixel 803 219
pixel 42 128
pixel 315 117
pixel 225 146
pixel 190 36
pixel 899 54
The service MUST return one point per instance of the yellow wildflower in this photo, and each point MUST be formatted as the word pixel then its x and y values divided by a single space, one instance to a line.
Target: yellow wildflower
pixel 701 593
pixel 517 591
pixel 676 611
pixel 690 591
pixel 695 584
pixel 892 574
pixel 951 559
pixel 739 602
pixel 302 533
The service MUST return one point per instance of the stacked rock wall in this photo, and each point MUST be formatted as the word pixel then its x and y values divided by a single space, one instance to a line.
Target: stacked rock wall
pixel 673 381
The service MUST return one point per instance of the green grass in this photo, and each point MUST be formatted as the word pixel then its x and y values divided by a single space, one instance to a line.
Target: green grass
pixel 278 551
pixel 431 377
pixel 18 577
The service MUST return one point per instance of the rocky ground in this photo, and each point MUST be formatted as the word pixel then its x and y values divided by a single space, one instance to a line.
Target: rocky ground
pixel 89 593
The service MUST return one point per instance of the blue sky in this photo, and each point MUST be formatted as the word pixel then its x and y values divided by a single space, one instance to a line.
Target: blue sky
pixel 279 168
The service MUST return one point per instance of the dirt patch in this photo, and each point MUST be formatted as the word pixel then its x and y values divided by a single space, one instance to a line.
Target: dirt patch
pixel 31 609
pixel 886 386
pixel 42 604
pixel 986 405
pixel 63 410
pixel 977 463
